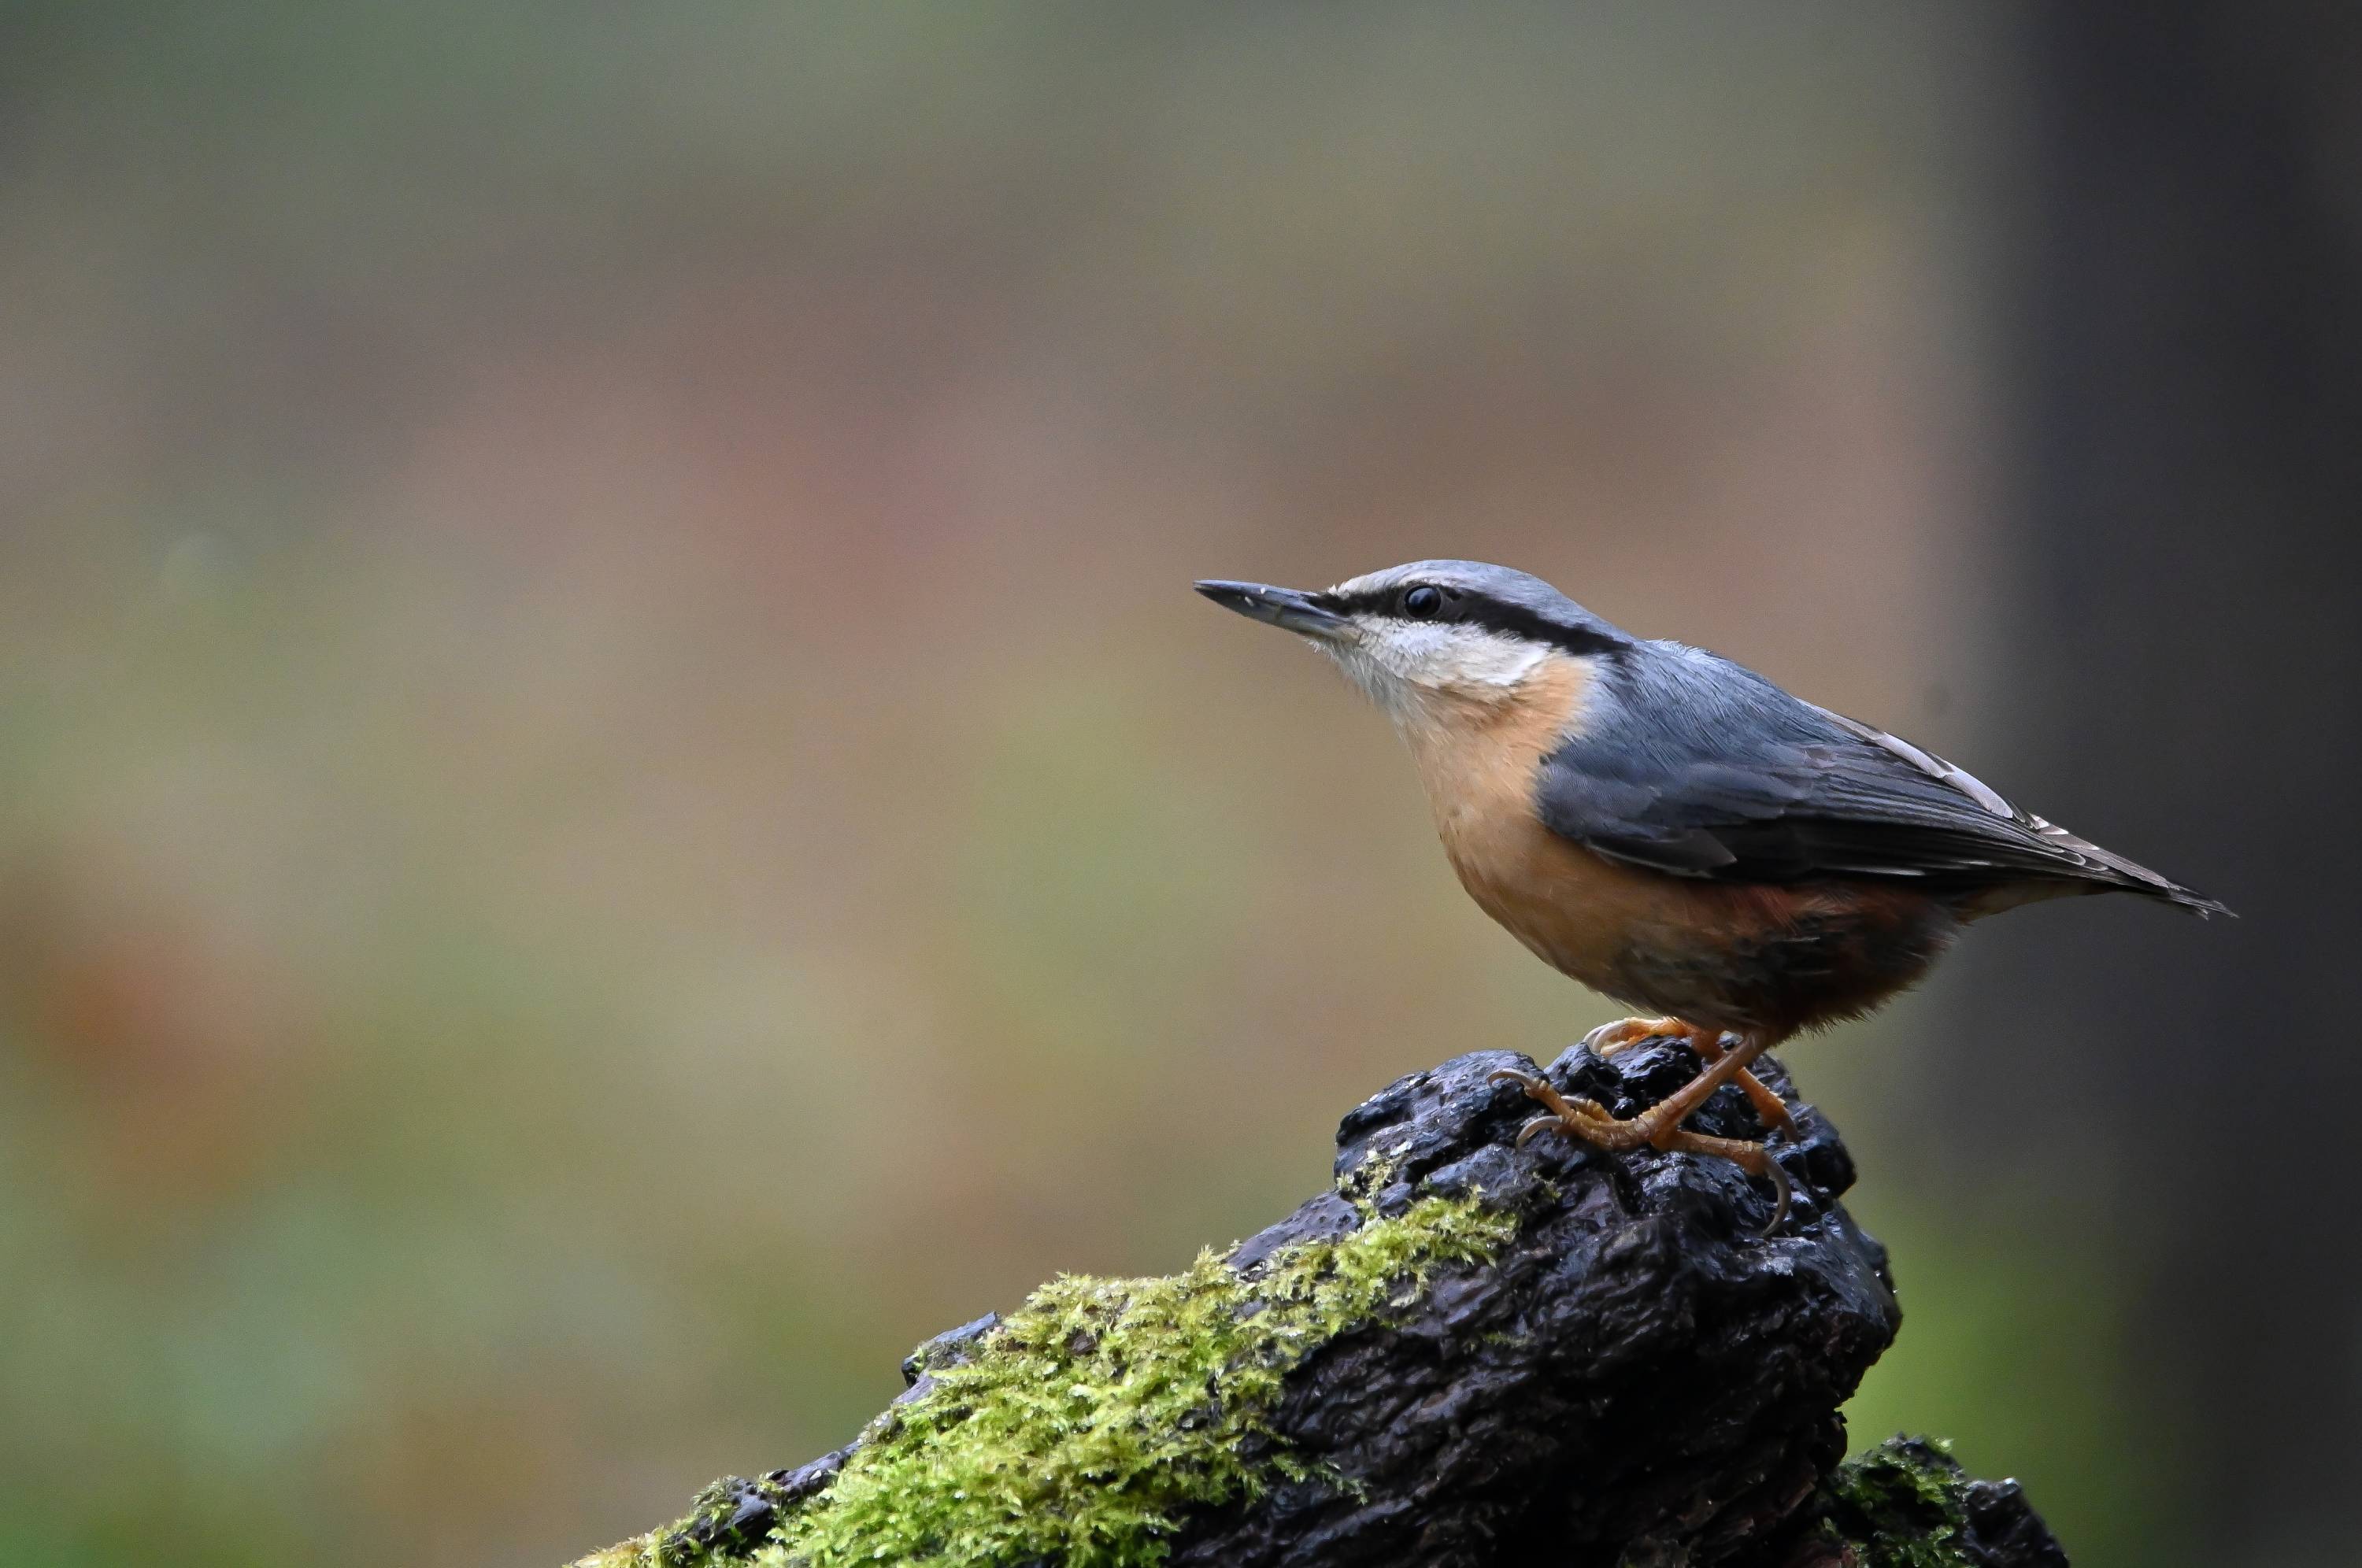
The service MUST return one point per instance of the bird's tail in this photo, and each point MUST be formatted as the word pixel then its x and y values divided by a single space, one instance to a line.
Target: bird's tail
pixel 2112 870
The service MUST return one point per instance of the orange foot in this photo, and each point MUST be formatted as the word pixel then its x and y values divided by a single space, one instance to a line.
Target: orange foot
pixel 1609 1038
pixel 1660 1126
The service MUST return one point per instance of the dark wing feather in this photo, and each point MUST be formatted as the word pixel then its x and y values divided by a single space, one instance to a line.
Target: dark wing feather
pixel 1693 765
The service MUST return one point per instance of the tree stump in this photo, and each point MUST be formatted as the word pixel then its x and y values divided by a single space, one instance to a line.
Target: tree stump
pixel 1466 1354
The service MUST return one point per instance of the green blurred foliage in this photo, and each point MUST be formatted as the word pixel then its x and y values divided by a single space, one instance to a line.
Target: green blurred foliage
pixel 612 804
pixel 2012 1346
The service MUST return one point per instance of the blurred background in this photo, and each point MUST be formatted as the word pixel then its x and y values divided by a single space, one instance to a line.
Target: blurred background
pixel 614 805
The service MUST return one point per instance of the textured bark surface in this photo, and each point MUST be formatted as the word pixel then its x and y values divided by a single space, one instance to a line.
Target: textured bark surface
pixel 1635 1377
pixel 1637 1365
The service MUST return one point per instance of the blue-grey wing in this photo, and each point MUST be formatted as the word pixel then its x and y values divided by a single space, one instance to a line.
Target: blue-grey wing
pixel 1696 767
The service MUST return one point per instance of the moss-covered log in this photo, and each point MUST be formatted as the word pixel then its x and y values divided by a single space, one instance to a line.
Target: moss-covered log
pixel 1465 1354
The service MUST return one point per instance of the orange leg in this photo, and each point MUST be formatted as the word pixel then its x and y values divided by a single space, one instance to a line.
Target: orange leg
pixel 1609 1038
pixel 1660 1126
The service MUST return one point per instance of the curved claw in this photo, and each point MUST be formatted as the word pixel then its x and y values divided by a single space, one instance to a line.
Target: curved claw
pixel 1540 1124
pixel 1624 1032
pixel 1785 1190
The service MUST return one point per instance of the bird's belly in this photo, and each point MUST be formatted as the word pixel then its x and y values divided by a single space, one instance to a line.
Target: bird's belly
pixel 1752 957
pixel 1574 909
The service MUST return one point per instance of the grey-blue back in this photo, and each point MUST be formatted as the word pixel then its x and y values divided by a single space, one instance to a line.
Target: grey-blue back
pixel 1692 764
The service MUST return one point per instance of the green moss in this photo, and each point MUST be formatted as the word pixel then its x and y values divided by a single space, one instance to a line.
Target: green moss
pixel 1899 1506
pixel 1081 1431
pixel 1099 1412
pixel 637 1553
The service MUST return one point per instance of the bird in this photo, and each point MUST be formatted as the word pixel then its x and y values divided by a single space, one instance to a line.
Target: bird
pixel 1677 833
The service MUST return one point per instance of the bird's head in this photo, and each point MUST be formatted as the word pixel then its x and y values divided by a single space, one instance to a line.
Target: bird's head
pixel 1433 637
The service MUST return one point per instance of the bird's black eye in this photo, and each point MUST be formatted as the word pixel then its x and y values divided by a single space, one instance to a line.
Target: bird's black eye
pixel 1421 602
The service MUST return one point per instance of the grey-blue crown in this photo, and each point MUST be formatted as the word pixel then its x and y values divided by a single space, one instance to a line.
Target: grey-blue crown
pixel 1497 598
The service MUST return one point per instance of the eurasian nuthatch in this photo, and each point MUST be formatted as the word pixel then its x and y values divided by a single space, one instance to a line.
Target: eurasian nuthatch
pixel 1674 831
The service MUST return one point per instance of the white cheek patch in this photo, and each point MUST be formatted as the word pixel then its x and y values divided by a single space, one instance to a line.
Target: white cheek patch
pixel 1456 656
pixel 1398 661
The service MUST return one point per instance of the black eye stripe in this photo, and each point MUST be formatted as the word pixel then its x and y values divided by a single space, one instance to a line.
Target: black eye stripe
pixel 1478 609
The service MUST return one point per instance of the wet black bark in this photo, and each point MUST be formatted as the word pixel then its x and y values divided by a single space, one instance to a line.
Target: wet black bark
pixel 1637 1366
pixel 1638 1378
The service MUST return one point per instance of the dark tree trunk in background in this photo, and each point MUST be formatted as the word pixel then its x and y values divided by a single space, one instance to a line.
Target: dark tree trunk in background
pixel 2181 586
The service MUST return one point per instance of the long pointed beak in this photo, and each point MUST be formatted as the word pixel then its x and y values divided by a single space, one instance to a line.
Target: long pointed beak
pixel 1289 608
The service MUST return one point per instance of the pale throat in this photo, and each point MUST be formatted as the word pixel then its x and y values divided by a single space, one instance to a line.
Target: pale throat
pixel 1496 729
